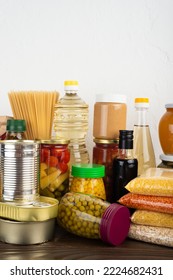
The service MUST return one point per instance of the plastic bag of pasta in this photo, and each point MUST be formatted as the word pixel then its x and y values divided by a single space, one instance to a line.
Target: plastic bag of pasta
pixel 161 204
pixel 156 235
pixel 152 218
pixel 155 181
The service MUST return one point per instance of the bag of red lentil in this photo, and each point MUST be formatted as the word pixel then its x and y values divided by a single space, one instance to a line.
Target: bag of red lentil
pixel 161 204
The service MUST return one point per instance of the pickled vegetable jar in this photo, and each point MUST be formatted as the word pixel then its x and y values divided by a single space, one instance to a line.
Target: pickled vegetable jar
pixel 91 217
pixel 88 178
pixel 104 152
pixel 54 168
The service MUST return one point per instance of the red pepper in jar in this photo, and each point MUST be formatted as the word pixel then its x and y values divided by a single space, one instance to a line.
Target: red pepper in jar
pixel 54 168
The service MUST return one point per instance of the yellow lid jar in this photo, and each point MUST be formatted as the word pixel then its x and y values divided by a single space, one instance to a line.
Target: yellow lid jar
pixel 88 179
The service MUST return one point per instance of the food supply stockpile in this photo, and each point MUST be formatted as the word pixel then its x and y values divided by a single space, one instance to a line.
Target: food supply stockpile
pixel 151 197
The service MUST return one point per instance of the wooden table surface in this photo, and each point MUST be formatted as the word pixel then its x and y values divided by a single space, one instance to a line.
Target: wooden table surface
pixel 66 246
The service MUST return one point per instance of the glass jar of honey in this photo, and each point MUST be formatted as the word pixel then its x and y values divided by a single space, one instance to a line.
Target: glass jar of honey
pixel 88 179
pixel 91 217
pixel 166 130
pixel 104 152
pixel 54 168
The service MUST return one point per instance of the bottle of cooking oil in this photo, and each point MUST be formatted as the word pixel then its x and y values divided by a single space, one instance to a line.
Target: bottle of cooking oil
pixel 71 122
pixel 143 146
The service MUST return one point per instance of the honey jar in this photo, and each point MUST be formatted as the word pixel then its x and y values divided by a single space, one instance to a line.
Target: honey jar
pixel 88 178
pixel 91 217
pixel 165 130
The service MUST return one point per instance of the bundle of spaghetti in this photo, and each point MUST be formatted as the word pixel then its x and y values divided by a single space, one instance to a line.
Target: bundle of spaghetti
pixel 37 109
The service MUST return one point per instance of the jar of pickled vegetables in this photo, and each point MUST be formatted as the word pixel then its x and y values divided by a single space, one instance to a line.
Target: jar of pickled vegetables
pixel 91 217
pixel 54 168
pixel 104 152
pixel 88 178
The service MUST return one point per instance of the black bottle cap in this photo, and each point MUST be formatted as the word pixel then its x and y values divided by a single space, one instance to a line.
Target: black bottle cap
pixel 126 139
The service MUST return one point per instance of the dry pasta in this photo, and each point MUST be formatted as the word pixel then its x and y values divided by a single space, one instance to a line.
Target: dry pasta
pixel 37 109
pixel 155 181
pixel 152 218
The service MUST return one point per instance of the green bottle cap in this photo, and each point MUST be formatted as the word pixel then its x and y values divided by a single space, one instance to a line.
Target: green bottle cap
pixel 16 125
pixel 88 170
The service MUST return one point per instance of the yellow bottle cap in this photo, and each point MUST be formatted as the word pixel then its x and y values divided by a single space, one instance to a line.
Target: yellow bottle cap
pixel 71 83
pixel 141 100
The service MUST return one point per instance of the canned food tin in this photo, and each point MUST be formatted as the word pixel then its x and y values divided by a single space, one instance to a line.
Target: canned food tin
pixel 19 170
pixel 26 232
pixel 44 208
pixel 54 168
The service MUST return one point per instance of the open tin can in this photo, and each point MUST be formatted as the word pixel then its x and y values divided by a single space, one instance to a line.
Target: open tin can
pixel 25 233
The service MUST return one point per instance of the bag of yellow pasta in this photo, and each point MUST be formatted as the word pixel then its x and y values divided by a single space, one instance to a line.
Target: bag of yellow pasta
pixel 152 218
pixel 155 181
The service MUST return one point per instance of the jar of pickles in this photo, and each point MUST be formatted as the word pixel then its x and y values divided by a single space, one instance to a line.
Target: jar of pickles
pixel 88 178
pixel 104 152
pixel 91 217
pixel 54 168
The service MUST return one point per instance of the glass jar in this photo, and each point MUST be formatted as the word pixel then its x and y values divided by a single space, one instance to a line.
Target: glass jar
pixel 92 217
pixel 166 161
pixel 15 129
pixel 54 168
pixel 88 178
pixel 104 152
pixel 109 116
pixel 166 130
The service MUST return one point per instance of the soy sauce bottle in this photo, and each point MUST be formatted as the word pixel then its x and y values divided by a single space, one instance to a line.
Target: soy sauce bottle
pixel 125 166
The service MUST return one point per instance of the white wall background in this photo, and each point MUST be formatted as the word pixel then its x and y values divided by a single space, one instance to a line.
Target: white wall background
pixel 109 46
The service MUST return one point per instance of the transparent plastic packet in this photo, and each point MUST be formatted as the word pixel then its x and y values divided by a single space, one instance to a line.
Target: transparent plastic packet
pixel 161 204
pixel 156 235
pixel 155 181
pixel 152 218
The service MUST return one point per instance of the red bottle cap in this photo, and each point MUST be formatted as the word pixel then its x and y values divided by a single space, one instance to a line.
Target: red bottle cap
pixel 115 224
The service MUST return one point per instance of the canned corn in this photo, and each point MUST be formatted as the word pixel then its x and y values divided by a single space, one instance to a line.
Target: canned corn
pixel 88 178
pixel 91 217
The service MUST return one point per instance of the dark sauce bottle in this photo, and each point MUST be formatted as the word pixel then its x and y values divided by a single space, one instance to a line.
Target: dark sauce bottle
pixel 125 166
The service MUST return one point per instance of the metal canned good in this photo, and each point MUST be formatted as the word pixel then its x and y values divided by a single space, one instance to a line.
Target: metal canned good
pixel 25 233
pixel 19 170
pixel 44 208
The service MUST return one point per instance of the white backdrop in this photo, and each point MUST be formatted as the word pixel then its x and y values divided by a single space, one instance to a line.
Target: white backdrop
pixel 109 46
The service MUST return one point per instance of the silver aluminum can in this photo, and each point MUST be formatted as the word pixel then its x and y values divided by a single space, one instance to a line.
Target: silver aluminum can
pixel 19 170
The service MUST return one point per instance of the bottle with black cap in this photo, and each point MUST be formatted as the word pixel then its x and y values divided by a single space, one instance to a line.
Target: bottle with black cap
pixel 125 166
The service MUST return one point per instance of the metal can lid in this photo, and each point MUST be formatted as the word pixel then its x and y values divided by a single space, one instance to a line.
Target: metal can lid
pixel 55 141
pixel 168 158
pixel 170 105
pixel 106 141
pixel 115 224
pixel 88 170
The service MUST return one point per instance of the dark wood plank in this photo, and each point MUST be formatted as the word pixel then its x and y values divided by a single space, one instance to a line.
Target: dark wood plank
pixel 66 246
